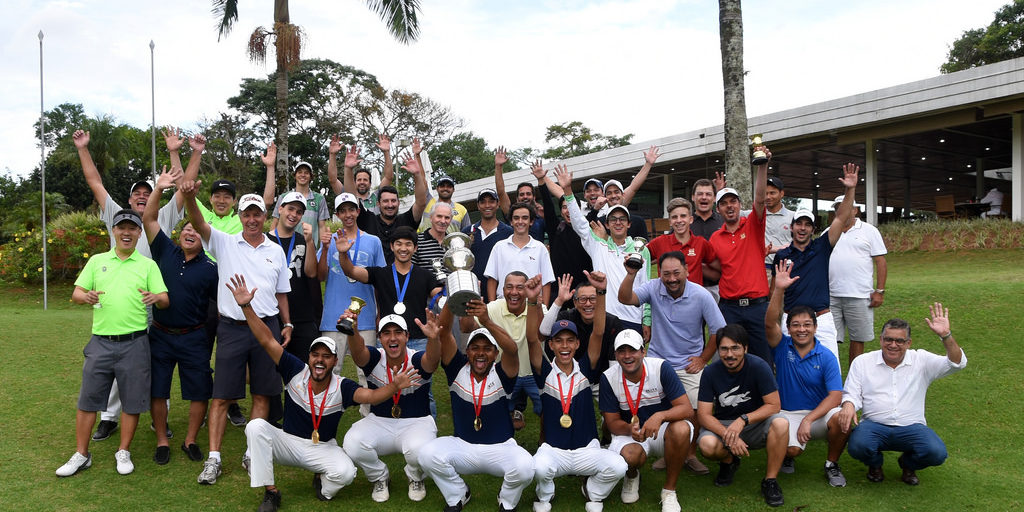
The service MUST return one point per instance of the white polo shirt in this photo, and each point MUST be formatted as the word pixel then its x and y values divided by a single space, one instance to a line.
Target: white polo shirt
pixel 531 260
pixel 850 268
pixel 777 230
pixel 263 266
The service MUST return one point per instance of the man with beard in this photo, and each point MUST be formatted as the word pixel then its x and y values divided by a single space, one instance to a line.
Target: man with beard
pixel 811 261
pixel 300 258
pixel 459 214
pixel 567 253
pixel 383 224
pixel 646 408
pixel 483 441
pixel 486 233
pixel 582 312
pixel 316 211
pixel 525 193
pixel 570 443
pixel 519 252
pixel 740 248
pixel 309 437
pixel 429 247
pixel 701 261
pixel 738 407
pixel 252 252
pixel 679 312
pixel 358 182
pixel 402 424
pixel 177 336
pixel 810 385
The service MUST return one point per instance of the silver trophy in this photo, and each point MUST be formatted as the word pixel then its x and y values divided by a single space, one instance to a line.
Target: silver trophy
pixel 635 260
pixel 461 282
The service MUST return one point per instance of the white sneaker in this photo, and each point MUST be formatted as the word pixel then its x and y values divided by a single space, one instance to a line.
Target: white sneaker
pixel 76 463
pixel 124 462
pixel 380 492
pixel 631 489
pixel 541 506
pixel 669 502
pixel 211 470
pixel 594 506
pixel 417 490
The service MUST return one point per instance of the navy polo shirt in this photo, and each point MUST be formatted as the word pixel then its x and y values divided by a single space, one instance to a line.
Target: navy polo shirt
pixel 661 387
pixel 481 247
pixel 298 415
pixel 805 381
pixel 496 422
pixel 414 401
pixel 811 264
pixel 581 407
pixel 191 285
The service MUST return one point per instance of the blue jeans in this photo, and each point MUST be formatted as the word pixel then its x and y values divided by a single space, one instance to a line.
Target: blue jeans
pixel 525 387
pixel 920 444
pixel 420 344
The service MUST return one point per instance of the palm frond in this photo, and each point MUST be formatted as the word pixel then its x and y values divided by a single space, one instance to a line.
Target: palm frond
pixel 399 15
pixel 226 11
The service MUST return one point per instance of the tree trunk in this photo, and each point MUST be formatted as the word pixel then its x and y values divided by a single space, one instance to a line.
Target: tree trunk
pixel 281 112
pixel 737 152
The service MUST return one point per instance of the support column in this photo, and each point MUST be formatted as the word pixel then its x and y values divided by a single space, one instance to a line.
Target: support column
pixel 1017 164
pixel 870 182
pixel 979 178
pixel 667 185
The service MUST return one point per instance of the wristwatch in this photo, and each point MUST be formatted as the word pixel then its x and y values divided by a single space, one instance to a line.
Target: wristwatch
pixel 289 324
pixel 880 291
pixel 746 420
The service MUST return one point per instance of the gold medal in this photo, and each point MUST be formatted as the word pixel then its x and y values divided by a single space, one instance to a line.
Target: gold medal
pixel 565 421
pixel 316 437
pixel 635 420
pixel 477 424
pixel 396 411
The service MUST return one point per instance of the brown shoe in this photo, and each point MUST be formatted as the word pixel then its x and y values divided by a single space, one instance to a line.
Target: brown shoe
pixel 909 476
pixel 695 466
pixel 518 421
pixel 876 474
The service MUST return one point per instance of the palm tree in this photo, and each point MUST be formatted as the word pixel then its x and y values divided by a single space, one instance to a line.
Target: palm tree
pixel 737 152
pixel 400 16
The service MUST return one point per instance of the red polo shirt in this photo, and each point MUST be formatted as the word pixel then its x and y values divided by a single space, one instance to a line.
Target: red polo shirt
pixel 696 251
pixel 742 256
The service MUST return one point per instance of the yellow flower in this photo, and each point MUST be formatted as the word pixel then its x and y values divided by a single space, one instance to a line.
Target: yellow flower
pixel 85 255
pixel 40 269
pixel 16 239
pixel 24 274
pixel 21 249
pixel 49 240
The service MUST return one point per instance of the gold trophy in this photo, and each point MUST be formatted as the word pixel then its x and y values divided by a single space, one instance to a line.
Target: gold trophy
pixel 760 157
pixel 345 324
pixel 636 257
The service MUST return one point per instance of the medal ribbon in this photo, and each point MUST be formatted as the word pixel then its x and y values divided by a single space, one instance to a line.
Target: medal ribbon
pixel 478 402
pixel 288 253
pixel 312 407
pixel 353 252
pixel 405 286
pixel 567 401
pixel 405 365
pixel 634 406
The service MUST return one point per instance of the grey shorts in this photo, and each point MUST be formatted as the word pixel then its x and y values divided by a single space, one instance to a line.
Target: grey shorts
pixel 238 349
pixel 853 314
pixel 755 435
pixel 127 362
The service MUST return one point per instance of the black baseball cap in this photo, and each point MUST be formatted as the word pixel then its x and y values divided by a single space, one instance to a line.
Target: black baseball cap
pixel 223 185
pixel 776 182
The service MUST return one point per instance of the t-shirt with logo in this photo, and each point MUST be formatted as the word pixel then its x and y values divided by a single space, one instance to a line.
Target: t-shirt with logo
pixel 735 394
pixel 661 387
pixel 496 424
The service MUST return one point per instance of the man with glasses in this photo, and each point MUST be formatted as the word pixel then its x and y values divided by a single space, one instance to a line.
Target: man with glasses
pixel 889 386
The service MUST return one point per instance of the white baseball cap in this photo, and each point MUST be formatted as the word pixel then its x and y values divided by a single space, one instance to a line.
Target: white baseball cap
pixel 293 197
pixel 327 342
pixel 393 319
pixel 803 214
pixel 343 198
pixel 630 338
pixel 724 192
pixel 250 200
pixel 839 199
pixel 303 164
pixel 482 331
pixel 617 207
pixel 612 182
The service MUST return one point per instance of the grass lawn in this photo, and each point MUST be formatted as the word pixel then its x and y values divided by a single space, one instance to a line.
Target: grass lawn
pixel 40 374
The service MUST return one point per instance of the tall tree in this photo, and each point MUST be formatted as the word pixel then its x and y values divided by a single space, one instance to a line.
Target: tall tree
pixel 574 139
pixel 1003 39
pixel 400 16
pixel 737 153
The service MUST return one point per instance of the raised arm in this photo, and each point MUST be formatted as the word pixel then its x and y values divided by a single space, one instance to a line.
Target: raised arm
pixel 500 158
pixel 773 318
pixel 509 349
pixel 342 243
pixel 198 144
pixel 534 311
pixel 333 148
pixel 356 347
pixel 351 161
pixel 151 214
pixel 173 140
pixel 845 211
pixel 444 335
pixel 600 282
pixel 431 330
pixel 309 266
pixel 243 297
pixel 188 191
pixel 413 166
pixel 384 143
pixel 761 183
pixel 939 324
pixel 269 161
pixel 321 261
pixel 92 174
pixel 626 294
pixel 650 156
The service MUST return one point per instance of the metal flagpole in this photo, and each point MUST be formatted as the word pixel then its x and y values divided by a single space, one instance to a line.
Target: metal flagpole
pixel 42 166
pixel 152 92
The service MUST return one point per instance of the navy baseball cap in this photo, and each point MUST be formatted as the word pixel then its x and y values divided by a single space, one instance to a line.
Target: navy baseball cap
pixel 564 325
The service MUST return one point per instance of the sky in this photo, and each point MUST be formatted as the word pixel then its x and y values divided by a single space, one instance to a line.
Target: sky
pixel 508 69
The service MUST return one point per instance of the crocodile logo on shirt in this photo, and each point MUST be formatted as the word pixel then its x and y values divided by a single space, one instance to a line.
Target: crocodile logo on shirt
pixel 729 399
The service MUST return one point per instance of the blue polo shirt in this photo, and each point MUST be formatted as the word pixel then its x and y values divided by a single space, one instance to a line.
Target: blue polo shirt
pixel 298 416
pixel 805 382
pixel 339 288
pixel 414 401
pixel 496 422
pixel 191 285
pixel 581 407
pixel 661 387
pixel 677 324
pixel 811 265
pixel 481 247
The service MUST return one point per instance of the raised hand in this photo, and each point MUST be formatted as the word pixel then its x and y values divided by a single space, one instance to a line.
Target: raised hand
pixel 416 146
pixel 334 147
pixel 189 188
pixel 651 155
pixel 719 180
pixel 537 169
pixel 563 176
pixel 598 230
pixel 241 293
pixel 598 279
pixel 325 238
pixel 384 143
pixel 172 137
pixel 412 166
pixel 850 175
pixel 168 178
pixel 533 288
pixel 352 157
pixel 198 143
pixel 342 242
pixel 565 291
pixel 782 278
pixel 478 309
pixel 81 139
pixel 432 326
pixel 307 228
pixel 767 152
pixel 939 322
pixel 500 158
pixel 270 157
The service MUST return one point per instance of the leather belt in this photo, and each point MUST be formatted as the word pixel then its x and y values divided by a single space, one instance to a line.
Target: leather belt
pixel 177 330
pixel 120 338
pixel 745 301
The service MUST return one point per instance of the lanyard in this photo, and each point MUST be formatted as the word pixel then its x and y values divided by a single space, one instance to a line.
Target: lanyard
pixel 634 406
pixel 405 286
pixel 567 401
pixel 291 245
pixel 405 365
pixel 478 401
pixel 353 252
pixel 312 408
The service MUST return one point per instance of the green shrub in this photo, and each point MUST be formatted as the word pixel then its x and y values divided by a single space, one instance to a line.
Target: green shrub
pixel 73 237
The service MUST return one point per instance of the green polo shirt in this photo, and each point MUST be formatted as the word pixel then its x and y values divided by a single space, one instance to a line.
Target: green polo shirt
pixel 229 223
pixel 121 309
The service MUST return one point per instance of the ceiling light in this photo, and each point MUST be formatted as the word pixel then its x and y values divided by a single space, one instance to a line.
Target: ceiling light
pixel 968 166
pixel 922 158
pixel 937 189
pixel 950 178
pixel 942 141
pixel 988 149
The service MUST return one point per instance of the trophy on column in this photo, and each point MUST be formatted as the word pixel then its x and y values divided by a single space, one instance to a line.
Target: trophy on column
pixel 461 282
pixel 635 259
pixel 760 157
pixel 345 324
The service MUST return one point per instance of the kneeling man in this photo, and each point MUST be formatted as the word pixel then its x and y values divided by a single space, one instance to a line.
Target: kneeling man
pixel 648 413
pixel 308 439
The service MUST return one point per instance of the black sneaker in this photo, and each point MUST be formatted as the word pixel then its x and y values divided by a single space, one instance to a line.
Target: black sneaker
pixel 787 466
pixel 170 433
pixel 458 506
pixel 318 488
pixel 772 492
pixel 104 429
pixel 235 415
pixel 271 501
pixel 162 455
pixel 726 472
pixel 193 452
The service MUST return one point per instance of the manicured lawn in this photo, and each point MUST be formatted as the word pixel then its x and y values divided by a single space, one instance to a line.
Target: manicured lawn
pixel 974 412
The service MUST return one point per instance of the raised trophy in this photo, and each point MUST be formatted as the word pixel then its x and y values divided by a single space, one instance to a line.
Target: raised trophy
pixel 461 282
pixel 635 259
pixel 760 157
pixel 345 324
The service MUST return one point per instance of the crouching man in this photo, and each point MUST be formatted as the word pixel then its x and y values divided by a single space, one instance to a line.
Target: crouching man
pixel 308 439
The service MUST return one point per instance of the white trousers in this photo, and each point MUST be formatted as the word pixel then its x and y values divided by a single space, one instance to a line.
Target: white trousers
pixel 372 437
pixel 445 458
pixel 825 333
pixel 604 468
pixel 268 444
